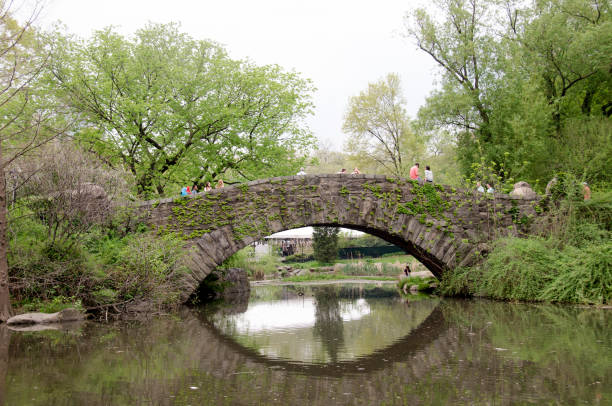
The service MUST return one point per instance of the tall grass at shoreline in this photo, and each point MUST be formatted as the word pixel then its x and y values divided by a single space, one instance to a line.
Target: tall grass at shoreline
pixel 570 262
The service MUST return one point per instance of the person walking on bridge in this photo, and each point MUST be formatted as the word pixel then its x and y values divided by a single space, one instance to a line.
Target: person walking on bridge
pixel 414 172
pixel 428 174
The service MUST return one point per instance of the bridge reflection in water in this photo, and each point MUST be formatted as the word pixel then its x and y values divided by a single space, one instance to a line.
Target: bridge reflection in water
pixel 452 352
pixel 328 330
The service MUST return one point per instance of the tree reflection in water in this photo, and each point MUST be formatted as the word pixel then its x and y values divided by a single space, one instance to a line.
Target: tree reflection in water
pixel 5 341
pixel 329 324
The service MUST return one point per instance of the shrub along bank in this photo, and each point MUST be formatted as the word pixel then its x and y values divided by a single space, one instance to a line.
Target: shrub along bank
pixel 107 269
pixel 570 261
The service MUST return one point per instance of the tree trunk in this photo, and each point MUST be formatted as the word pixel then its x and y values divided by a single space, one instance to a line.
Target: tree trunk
pixel 5 305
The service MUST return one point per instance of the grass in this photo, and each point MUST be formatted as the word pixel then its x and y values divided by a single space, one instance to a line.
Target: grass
pixel 571 263
pixel 55 305
pixel 324 277
pixel 422 284
pixel 402 259
pixel 368 268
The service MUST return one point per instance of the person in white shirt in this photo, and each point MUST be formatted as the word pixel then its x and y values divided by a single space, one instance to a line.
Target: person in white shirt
pixel 428 174
pixel 301 172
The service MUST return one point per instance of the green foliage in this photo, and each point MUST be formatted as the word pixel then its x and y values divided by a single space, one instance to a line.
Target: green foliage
pixel 427 201
pixel 492 173
pixel 597 211
pixel 241 259
pixel 526 85
pixel 105 268
pixel 586 276
pixel 58 303
pixel 577 270
pixel 459 282
pixel 254 266
pixel 518 269
pixel 175 110
pixel 325 243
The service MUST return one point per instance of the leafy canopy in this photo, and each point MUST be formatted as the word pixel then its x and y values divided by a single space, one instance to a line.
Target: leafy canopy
pixel 176 110
pixel 526 86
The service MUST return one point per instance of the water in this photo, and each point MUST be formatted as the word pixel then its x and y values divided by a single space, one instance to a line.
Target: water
pixel 320 345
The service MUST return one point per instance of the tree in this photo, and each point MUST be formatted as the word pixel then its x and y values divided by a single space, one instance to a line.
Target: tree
pixel 29 117
pixel 175 111
pixel 325 243
pixel 462 47
pixel 379 128
pixel 568 43
pixel 514 80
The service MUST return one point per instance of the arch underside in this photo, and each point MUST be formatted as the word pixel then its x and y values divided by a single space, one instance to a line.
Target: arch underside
pixel 435 265
pixel 203 260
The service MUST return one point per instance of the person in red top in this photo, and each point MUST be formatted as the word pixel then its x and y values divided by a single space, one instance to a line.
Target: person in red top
pixel 414 172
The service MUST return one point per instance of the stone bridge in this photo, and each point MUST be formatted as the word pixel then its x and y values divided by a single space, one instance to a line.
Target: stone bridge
pixel 440 226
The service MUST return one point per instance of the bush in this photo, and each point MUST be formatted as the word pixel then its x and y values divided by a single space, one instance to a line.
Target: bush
pixel 422 284
pixel 571 263
pixel 533 269
pixel 149 268
pixel 459 282
pixel 100 270
pixel 585 276
pixel 241 259
pixel 518 269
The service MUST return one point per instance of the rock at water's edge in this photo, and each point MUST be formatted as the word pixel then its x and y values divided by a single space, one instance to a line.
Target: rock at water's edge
pixel 69 314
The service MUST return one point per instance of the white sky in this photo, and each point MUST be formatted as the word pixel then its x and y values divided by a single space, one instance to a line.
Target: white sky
pixel 342 45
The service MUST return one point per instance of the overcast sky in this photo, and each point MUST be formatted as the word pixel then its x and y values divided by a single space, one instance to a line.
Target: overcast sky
pixel 341 45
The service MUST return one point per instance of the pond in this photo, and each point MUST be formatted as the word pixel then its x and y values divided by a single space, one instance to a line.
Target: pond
pixel 347 345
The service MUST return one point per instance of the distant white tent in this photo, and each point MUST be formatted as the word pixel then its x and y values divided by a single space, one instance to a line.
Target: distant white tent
pixel 306 233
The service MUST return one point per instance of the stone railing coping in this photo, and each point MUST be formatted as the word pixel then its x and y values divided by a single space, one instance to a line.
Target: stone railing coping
pixel 447 188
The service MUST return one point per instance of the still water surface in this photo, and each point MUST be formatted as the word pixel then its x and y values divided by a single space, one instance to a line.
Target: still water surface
pixel 321 345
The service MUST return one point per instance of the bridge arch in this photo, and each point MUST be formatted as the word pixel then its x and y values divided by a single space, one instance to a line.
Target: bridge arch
pixel 438 225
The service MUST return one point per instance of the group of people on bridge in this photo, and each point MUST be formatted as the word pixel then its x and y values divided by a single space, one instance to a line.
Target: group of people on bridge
pixel 186 190
pixel 414 173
